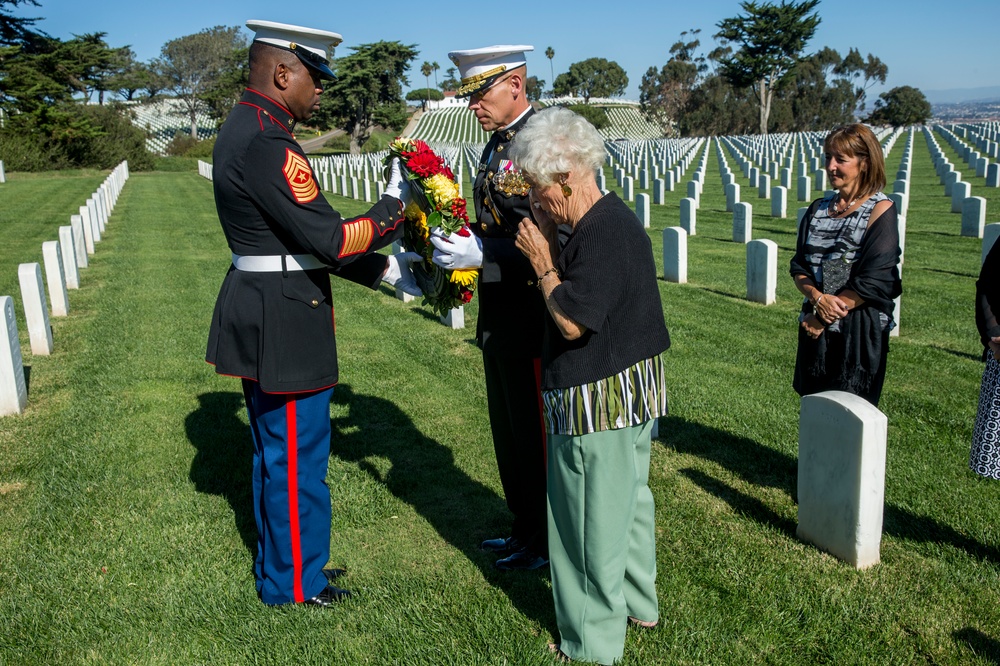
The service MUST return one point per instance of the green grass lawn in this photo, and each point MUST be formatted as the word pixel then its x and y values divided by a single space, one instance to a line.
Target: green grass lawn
pixel 127 536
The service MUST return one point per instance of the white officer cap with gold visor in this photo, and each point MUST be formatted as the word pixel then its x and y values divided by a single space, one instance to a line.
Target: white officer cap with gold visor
pixel 480 68
pixel 313 47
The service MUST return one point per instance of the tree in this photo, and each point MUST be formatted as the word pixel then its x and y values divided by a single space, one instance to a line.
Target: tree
pixel 594 115
pixel 550 54
pixel 424 95
pixel 227 88
pixel 435 67
pixel 450 83
pixel 903 105
pixel 594 77
pixel 128 80
pixel 771 39
pixel 664 95
pixel 533 88
pixel 194 64
pixel 15 30
pixel 368 91
pixel 426 70
pixel 870 71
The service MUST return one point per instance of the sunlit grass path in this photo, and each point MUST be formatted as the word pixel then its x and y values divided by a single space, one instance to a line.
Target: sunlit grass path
pixel 125 527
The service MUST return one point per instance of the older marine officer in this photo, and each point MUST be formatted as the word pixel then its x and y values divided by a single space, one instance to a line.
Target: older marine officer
pixel 273 322
pixel 511 312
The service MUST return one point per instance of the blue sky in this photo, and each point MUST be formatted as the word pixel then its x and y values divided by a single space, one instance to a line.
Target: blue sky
pixel 929 45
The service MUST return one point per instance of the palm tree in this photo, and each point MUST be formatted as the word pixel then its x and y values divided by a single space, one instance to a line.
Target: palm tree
pixel 426 70
pixel 435 67
pixel 550 54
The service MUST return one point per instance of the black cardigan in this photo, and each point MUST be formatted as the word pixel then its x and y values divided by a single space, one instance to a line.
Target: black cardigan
pixel 609 286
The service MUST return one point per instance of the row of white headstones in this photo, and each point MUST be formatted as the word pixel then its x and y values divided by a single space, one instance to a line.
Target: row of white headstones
pixel 841 474
pixel 841 437
pixel 63 259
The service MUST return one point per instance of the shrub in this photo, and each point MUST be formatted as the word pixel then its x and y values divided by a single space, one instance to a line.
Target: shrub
pixel 594 115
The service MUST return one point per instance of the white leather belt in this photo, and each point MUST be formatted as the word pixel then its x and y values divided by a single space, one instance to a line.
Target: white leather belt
pixel 272 263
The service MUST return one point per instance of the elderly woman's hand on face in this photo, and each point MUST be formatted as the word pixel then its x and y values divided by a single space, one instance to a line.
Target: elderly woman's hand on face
pixel 533 244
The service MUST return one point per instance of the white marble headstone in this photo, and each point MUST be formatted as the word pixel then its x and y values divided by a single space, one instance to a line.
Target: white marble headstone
pixel 804 188
pixel 13 389
pixel 88 229
pixel 779 201
pixel 455 318
pixel 762 271
pixel 79 245
pixel 973 217
pixel 959 193
pixel 675 255
pixel 742 222
pixel 642 209
pixel 36 312
pixel 95 219
pixel 55 278
pixel 68 250
pixel 841 476
pixel 764 186
pixel 689 215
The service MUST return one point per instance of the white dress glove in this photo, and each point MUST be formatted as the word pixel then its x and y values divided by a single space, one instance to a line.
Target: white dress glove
pixel 397 186
pixel 455 251
pixel 399 274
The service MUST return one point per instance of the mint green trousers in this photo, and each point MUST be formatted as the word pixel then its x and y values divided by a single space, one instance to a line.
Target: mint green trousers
pixel 602 554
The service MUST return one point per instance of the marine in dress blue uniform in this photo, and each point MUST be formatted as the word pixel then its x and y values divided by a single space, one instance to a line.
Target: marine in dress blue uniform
pixel 273 323
pixel 511 311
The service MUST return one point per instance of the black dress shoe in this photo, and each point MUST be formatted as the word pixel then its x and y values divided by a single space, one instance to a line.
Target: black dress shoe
pixel 502 547
pixel 333 574
pixel 522 560
pixel 328 596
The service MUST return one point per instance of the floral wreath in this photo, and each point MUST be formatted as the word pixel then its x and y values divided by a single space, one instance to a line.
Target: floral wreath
pixel 436 203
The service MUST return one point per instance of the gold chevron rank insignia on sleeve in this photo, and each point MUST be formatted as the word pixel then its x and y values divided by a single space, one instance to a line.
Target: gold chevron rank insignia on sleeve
pixel 299 177
pixel 357 237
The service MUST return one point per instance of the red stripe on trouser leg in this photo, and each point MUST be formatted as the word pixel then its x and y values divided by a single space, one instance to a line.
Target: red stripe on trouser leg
pixel 541 410
pixel 293 499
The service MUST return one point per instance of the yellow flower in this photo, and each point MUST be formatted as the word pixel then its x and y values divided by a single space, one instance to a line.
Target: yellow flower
pixel 441 189
pixel 466 278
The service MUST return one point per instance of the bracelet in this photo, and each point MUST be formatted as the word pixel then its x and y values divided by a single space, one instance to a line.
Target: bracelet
pixel 543 275
pixel 818 301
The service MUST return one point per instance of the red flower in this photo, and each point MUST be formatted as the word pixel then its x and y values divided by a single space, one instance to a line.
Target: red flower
pixel 464 232
pixel 448 172
pixel 466 295
pixel 425 164
pixel 458 209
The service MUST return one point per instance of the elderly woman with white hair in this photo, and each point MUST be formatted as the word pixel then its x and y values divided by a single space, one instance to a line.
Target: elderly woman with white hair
pixel 602 386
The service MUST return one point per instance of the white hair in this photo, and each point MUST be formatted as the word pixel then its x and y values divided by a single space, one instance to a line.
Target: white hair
pixel 556 141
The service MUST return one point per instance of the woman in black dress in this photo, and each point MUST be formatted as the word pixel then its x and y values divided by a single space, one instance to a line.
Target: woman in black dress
pixel 845 266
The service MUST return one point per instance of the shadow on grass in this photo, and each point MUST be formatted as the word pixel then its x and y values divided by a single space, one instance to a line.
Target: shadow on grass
pixel 423 474
pixel 940 270
pixel 223 462
pixel 982 645
pixel 959 354
pixel 762 466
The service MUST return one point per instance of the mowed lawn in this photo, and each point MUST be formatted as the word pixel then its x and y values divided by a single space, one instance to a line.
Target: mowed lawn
pixel 127 536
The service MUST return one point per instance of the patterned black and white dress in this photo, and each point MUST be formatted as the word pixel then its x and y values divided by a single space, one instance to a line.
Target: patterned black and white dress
pixel 985 456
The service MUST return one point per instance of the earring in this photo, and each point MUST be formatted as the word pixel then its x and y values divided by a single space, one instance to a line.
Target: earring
pixel 566 189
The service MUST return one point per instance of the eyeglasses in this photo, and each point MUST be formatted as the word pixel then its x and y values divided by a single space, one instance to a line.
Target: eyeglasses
pixel 477 97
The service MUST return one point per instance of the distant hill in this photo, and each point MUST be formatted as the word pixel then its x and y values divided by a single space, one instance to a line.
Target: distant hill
pixel 963 95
